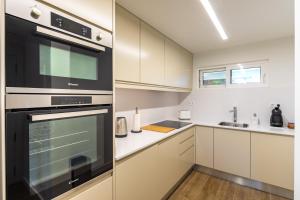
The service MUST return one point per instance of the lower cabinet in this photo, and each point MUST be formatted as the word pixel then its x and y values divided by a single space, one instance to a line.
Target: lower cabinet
pixel 205 146
pixel 272 159
pixel 268 158
pixel 136 177
pixel 232 151
pixel 102 190
pixel 151 173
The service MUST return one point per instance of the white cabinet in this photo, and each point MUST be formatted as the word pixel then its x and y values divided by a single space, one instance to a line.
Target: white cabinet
pixel 127 47
pixel 169 162
pixel 93 190
pixel 151 173
pixel 152 56
pixel 136 177
pixel 178 65
pixel 232 151
pixel 101 191
pixel 99 12
pixel 186 150
pixel 205 146
pixel 272 159
pixel 146 59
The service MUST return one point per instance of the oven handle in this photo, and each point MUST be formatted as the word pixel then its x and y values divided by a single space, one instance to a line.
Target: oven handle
pixel 54 34
pixel 36 118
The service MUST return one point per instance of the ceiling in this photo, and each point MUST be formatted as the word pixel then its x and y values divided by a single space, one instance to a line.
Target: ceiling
pixel 244 21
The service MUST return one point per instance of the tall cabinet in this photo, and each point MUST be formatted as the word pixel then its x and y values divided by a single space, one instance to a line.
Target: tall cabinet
pixel 146 59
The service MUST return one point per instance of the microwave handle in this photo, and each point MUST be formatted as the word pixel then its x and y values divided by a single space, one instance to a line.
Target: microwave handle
pixel 41 117
pixel 58 35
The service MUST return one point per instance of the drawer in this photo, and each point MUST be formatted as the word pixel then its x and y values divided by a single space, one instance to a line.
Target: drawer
pixel 186 135
pixel 184 145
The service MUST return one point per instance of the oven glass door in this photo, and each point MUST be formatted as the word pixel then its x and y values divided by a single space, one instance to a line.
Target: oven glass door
pixel 51 59
pixel 49 153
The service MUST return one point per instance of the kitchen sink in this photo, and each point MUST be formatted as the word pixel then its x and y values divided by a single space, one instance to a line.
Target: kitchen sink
pixel 232 124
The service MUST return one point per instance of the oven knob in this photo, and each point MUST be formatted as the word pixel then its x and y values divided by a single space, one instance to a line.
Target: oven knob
pixel 35 12
pixel 99 37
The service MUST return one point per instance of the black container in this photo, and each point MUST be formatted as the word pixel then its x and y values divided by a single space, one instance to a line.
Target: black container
pixel 276 117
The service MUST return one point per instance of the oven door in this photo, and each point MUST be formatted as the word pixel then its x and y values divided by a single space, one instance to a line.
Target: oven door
pixel 49 152
pixel 39 59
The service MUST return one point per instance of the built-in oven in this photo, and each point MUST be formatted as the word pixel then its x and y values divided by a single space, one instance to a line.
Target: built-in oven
pixel 55 143
pixel 49 51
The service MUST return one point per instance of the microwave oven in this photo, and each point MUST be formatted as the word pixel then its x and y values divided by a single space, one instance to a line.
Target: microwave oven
pixel 48 51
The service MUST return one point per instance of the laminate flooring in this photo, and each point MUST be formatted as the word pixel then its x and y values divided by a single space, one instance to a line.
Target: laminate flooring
pixel 199 186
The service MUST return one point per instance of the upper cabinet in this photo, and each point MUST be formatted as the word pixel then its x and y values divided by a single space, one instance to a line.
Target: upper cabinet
pixel 127 47
pixel 178 65
pixel 152 56
pixel 146 59
pixel 98 12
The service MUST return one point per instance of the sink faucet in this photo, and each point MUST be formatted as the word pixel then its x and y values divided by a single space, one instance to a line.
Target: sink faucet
pixel 234 114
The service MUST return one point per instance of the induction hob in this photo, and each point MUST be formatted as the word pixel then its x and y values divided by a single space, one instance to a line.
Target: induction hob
pixel 172 124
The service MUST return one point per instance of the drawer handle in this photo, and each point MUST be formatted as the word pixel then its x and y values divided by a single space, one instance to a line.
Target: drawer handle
pixel 186 150
pixel 186 139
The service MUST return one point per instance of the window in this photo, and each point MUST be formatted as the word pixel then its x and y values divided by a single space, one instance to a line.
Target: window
pixel 213 77
pixel 244 76
pixel 238 75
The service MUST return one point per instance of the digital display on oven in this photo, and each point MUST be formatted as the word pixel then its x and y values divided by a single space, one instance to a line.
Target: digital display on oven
pixel 71 26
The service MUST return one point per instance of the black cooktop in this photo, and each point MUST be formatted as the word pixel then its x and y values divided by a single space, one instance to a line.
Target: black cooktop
pixel 172 124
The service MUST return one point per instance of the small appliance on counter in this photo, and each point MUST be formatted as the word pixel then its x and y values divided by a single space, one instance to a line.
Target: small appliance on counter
pixel 184 115
pixel 276 117
pixel 121 127
pixel 136 122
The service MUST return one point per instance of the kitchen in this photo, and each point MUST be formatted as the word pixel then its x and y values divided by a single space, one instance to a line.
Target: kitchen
pixel 133 99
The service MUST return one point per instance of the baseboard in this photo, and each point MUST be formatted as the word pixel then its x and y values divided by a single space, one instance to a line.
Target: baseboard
pixel 289 194
pixel 174 188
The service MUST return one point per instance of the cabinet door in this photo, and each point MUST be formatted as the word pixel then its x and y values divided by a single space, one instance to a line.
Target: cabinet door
pixel 152 56
pixel 136 177
pixel 127 46
pixel 178 64
pixel 205 146
pixel 232 151
pixel 98 12
pixel 101 191
pixel 272 159
pixel 169 162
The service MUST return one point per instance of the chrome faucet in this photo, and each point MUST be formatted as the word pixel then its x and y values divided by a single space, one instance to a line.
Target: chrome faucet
pixel 234 114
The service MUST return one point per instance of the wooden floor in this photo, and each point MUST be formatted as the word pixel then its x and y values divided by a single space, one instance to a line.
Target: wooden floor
pixel 199 186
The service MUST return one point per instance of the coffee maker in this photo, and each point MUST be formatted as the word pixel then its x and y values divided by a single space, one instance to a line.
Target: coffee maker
pixel 276 117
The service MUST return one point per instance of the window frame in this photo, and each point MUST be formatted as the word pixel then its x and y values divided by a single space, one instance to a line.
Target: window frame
pixel 227 68
pixel 215 69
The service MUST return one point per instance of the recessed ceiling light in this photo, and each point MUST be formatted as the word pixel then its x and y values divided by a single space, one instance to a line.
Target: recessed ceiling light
pixel 211 13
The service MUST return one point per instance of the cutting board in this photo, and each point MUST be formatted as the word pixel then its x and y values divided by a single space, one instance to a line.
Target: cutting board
pixel 160 129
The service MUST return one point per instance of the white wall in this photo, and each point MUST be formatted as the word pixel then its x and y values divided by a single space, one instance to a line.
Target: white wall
pixel 154 106
pixel 212 105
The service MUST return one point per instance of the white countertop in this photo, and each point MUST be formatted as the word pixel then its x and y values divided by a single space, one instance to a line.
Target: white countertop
pixel 260 128
pixel 135 142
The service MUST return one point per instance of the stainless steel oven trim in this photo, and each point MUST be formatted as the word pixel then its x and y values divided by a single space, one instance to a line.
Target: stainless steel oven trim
pixel 20 90
pixel 55 34
pixel 22 9
pixel 52 116
pixel 19 101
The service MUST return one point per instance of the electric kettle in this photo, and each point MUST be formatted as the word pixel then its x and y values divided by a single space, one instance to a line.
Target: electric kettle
pixel 121 127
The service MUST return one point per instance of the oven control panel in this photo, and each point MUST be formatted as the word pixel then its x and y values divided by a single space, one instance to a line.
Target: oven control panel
pixel 70 26
pixel 70 100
